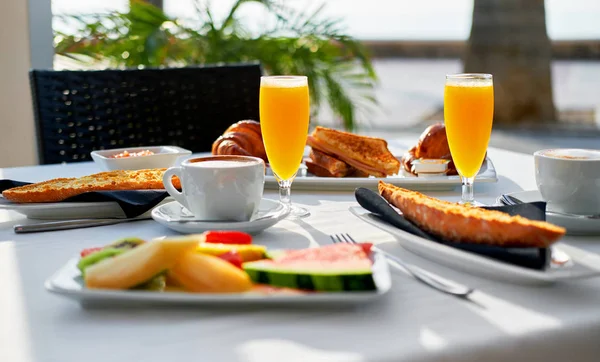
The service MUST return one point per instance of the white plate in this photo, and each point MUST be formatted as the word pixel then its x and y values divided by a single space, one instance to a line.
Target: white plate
pixel 582 265
pixel 65 210
pixel 67 282
pixel 574 225
pixel 70 210
pixel 306 181
pixel 176 217
pixel 163 157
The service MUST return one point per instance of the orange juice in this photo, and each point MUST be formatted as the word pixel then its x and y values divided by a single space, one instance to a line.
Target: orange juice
pixel 284 115
pixel 468 114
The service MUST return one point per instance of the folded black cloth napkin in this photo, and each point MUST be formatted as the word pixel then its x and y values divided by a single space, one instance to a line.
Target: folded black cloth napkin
pixel 133 203
pixel 533 258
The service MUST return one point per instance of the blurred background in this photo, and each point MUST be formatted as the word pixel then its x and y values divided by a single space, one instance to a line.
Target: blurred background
pixel 378 66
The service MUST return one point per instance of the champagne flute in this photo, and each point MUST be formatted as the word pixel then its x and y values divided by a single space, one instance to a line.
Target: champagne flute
pixel 284 118
pixel 468 115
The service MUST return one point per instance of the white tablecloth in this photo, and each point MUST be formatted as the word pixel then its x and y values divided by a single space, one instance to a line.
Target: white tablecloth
pixel 414 323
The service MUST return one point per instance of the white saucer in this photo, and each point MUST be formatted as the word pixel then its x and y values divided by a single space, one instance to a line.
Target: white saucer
pixel 575 225
pixel 176 217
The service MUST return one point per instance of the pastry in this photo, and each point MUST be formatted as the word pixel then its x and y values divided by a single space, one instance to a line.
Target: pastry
pixel 243 138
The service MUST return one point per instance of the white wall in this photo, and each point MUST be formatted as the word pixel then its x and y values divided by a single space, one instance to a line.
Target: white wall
pixel 17 131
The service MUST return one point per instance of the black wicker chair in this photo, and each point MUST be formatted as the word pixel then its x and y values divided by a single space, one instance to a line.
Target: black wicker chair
pixel 77 112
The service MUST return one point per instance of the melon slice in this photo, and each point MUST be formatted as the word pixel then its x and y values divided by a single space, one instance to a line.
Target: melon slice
pixel 203 273
pixel 247 252
pixel 332 268
pixel 138 265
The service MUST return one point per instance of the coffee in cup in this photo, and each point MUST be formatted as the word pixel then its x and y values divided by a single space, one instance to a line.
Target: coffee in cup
pixel 225 188
pixel 569 180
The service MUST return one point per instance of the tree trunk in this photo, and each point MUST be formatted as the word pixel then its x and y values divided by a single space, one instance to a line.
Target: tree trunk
pixel 508 39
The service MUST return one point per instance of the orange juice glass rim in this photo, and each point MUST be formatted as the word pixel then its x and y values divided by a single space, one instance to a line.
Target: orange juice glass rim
pixel 284 80
pixel 469 76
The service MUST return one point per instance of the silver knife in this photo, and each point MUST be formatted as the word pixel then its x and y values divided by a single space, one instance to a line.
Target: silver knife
pixel 70 224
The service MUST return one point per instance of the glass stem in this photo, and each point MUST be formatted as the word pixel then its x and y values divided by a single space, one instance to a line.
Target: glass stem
pixel 285 193
pixel 467 190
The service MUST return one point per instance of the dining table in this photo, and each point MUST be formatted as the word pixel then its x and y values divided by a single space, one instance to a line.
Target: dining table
pixel 500 321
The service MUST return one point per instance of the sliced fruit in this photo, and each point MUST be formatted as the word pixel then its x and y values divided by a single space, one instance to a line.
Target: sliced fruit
pixel 156 284
pixel 137 266
pixel 96 257
pixel 333 268
pixel 228 237
pixel 203 273
pixel 88 251
pixel 233 258
pixel 247 252
pixel 92 256
pixel 126 243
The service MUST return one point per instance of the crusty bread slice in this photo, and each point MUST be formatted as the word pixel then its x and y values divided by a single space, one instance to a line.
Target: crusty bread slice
pixel 62 188
pixel 465 224
pixel 370 154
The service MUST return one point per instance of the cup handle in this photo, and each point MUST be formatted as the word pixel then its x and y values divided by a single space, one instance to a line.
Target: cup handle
pixel 167 181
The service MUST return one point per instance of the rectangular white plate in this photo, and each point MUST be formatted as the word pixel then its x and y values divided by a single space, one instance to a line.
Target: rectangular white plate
pixel 584 264
pixel 67 282
pixel 70 210
pixel 306 181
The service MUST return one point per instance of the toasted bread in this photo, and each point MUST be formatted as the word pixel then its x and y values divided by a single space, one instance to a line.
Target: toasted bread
pixel 318 170
pixel 465 224
pixel 333 166
pixel 368 154
pixel 62 188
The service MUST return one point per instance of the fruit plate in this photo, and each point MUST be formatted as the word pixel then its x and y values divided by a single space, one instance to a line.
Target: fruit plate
pixel 67 282
pixel 581 264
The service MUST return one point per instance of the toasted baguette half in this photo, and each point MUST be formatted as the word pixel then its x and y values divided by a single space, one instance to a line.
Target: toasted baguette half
pixel 465 224
pixel 62 188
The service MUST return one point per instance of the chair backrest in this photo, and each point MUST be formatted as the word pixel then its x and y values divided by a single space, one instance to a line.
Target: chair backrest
pixel 77 112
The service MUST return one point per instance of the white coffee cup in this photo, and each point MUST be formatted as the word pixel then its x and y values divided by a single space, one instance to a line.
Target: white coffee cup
pixel 569 180
pixel 226 188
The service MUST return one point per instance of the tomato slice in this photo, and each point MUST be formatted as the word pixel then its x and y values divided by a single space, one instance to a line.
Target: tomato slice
pixel 228 237
pixel 232 257
pixel 88 251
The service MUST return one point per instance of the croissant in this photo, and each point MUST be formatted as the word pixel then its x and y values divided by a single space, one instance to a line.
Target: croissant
pixel 433 143
pixel 243 138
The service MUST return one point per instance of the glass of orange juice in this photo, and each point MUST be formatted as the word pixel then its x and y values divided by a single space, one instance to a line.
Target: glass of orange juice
pixel 284 118
pixel 468 115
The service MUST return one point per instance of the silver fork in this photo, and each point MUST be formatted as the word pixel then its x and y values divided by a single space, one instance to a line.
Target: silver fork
pixel 427 278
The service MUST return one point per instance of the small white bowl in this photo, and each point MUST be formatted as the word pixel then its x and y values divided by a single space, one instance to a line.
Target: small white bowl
pixel 163 157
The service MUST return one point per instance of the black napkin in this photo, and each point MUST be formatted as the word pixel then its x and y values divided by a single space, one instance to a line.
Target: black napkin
pixel 532 258
pixel 133 203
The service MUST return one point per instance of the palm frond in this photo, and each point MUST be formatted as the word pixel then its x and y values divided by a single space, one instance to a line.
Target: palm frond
pixel 306 42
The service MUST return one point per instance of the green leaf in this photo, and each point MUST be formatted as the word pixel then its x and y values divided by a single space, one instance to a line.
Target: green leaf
pixel 338 67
